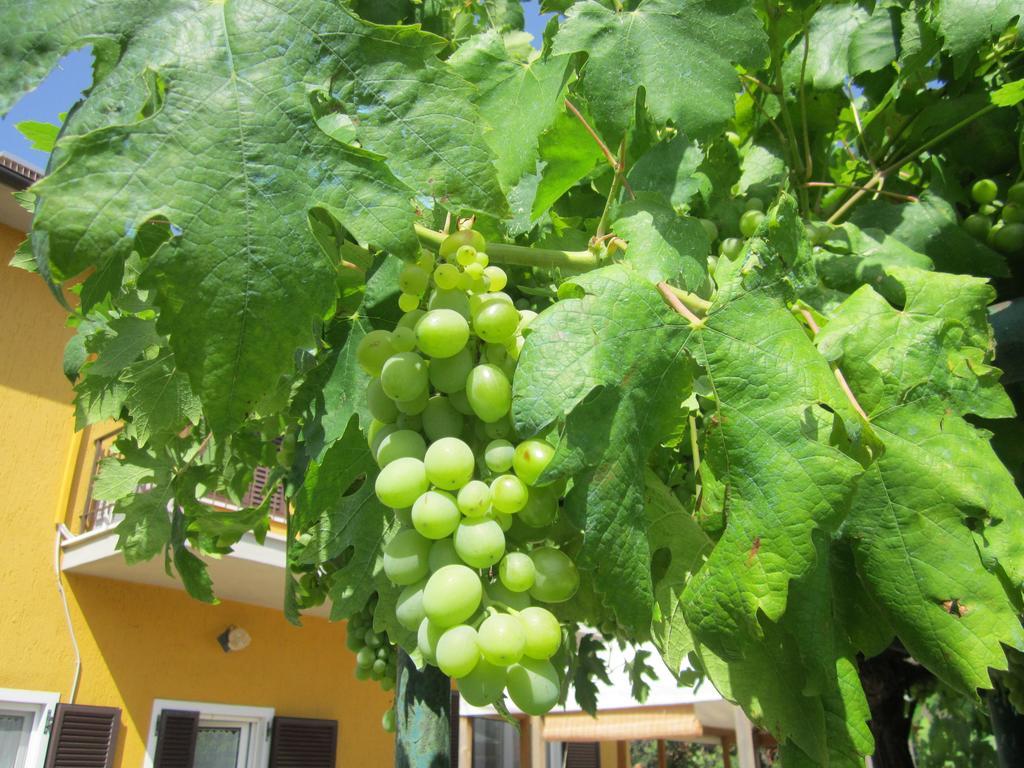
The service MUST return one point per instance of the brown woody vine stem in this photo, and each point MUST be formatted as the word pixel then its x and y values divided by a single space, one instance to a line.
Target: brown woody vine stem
pixel 670 297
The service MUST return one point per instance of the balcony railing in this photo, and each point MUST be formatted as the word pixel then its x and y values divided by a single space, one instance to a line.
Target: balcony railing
pixel 99 514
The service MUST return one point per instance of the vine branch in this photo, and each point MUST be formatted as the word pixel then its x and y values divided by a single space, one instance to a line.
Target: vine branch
pixel 518 255
pixel 843 384
pixel 670 297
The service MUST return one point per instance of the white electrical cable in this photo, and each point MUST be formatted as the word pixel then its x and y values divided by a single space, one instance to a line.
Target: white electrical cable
pixel 62 534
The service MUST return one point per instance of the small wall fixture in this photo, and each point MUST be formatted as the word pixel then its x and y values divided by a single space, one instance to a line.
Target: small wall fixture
pixel 234 639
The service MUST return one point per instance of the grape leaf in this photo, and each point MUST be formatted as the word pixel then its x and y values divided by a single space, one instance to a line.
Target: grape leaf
pixel 589 666
pixel 118 478
pixel 146 528
pixel 774 413
pixel 966 25
pixel 518 100
pixel 938 494
pixel 611 362
pixel 237 286
pixel 41 136
pixel 638 670
pixel 671 529
pixel 930 227
pixel 670 169
pixel 567 154
pixel 344 523
pixel 656 46
pixel 159 399
pixel 664 245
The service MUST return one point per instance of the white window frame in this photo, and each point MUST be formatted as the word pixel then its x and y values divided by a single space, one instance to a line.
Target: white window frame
pixel 259 720
pixel 41 705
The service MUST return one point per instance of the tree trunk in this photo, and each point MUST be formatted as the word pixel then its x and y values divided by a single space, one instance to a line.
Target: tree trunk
pixel 423 700
pixel 1008 728
pixel 886 679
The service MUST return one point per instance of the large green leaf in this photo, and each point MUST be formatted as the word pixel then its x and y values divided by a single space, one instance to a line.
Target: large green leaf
pixel 937 506
pixel 612 364
pixel 966 25
pixel 774 425
pixel 681 53
pixel 664 245
pixel 241 282
pixel 518 99
pixel 145 530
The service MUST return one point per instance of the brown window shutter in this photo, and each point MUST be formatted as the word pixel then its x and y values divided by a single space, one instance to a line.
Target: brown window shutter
pixel 83 737
pixel 583 755
pixel 453 728
pixel 303 742
pixel 176 733
pixel 254 495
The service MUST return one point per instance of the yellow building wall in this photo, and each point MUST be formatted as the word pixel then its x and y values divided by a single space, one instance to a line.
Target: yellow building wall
pixel 138 643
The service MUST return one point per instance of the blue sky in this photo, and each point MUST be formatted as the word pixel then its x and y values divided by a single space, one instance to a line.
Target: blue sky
pixel 62 88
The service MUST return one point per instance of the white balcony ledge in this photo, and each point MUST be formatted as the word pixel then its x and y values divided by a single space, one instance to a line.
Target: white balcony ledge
pixel 252 573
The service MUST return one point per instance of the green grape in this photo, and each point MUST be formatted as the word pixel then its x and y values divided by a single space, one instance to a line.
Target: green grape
pixel 731 247
pixel 465 255
pixel 435 515
pixel 387 721
pixel 401 482
pixel 479 541
pixel 409 319
pixel 446 276
pixel 508 494
pixel 750 221
pixel 484 685
pixel 372 352
pixel 541 508
pixel 425 261
pixel 556 579
pixel 515 347
pixel 710 228
pixel 413 279
pixel 455 299
pixel 466 284
pixel 407 302
pixel 502 595
pixel 378 431
pixel 498 455
pixel 405 558
pixel 475 270
pixel 400 444
pixel 489 392
pixel 482 259
pixel 517 571
pixel 409 421
pixel 1009 239
pixel 382 407
pixel 448 374
pixel 754 204
pixel 452 595
pixel 478 284
pixel 353 641
pixel 403 339
pixel 449 463
pixel 365 657
pixel 415 406
pixel 501 639
pixel 502 519
pixel 474 498
pixel 404 517
pixel 542 630
pixel 387 684
pixel 440 419
pixel 1013 213
pixel 978 226
pixel 442 333
pixel 984 191
pixel 533 685
pixel 526 316
pixel 1016 193
pixel 497 430
pixel 496 278
pixel 988 209
pixel 477 302
pixel 362 673
pixel 496 321
pixel 442 553
pixel 426 639
pixel 404 376
pixel 457 652
pixel 378 668
pixel 460 402
pixel 531 458
pixel 455 240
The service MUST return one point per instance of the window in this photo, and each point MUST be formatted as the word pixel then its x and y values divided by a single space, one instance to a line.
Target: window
pixel 24 719
pixel 495 744
pixel 210 735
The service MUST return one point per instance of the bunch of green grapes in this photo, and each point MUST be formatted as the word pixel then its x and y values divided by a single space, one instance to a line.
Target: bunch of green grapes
pixel 375 655
pixel 1006 234
pixel 440 397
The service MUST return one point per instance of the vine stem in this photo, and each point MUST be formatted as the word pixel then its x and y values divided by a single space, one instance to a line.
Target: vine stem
pixel 694 446
pixel 879 177
pixel 613 192
pixel 894 195
pixel 521 256
pixel 670 297
pixel 691 300
pixel 843 384
pixel 618 165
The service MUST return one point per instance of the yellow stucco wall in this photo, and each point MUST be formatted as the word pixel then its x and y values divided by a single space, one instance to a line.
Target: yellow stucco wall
pixel 138 643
